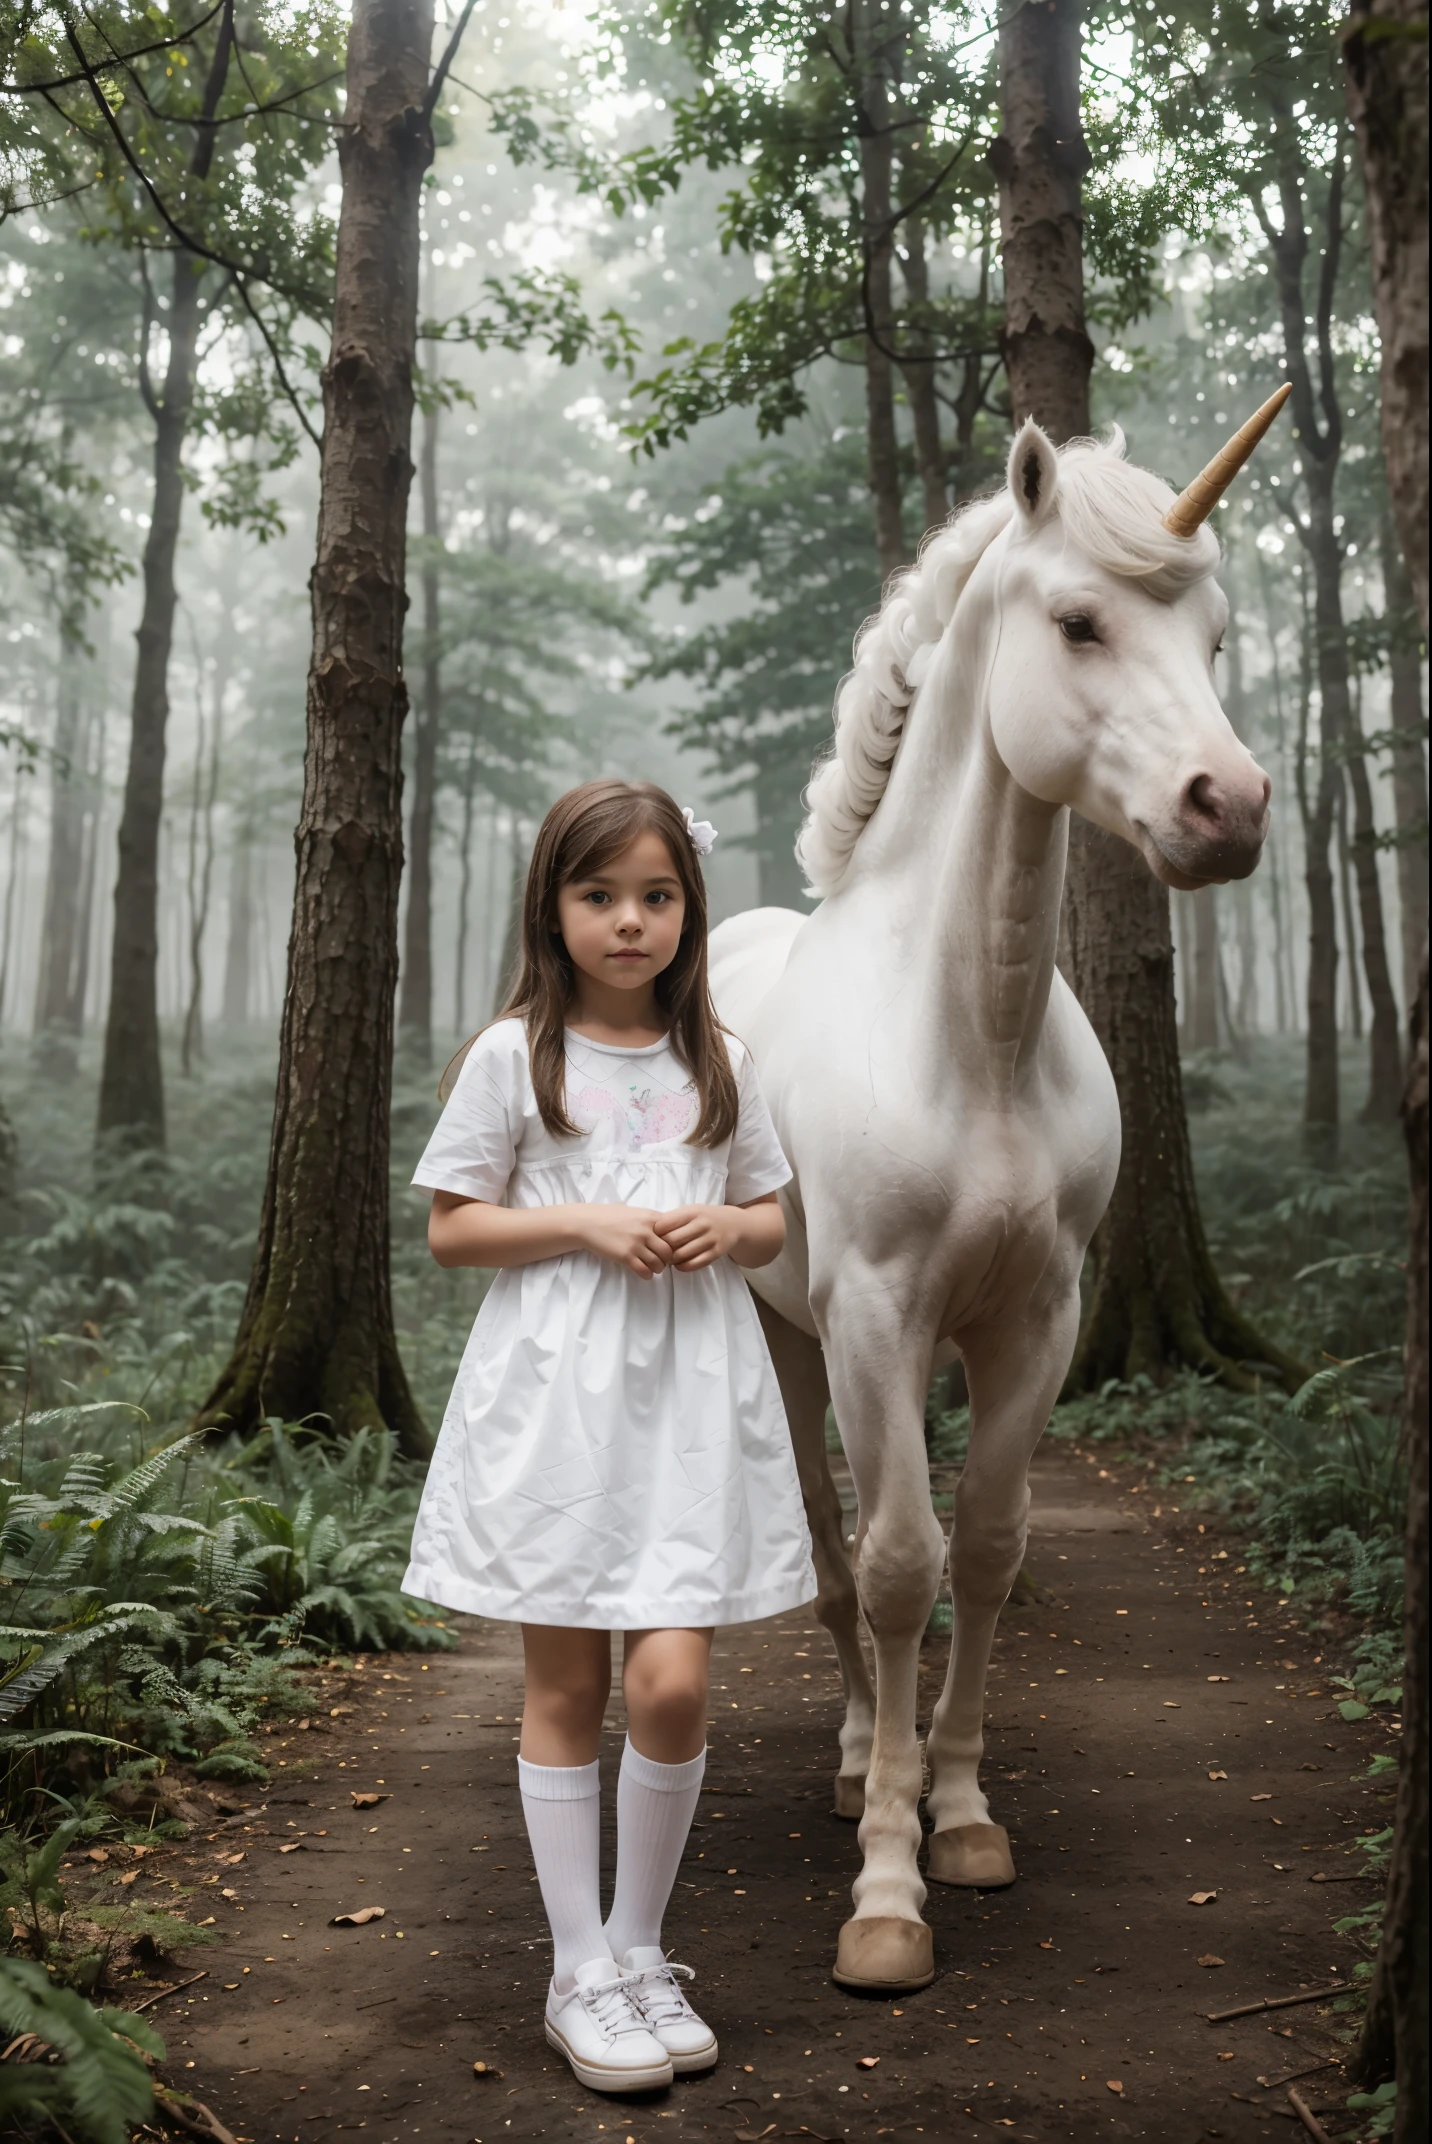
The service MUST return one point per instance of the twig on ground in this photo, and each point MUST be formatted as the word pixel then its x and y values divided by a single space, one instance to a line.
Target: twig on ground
pixel 196 2120
pixel 1307 2117
pixel 160 1993
pixel 1274 2002
pixel 1271 2084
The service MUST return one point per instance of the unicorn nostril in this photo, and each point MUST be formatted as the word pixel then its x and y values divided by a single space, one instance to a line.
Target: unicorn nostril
pixel 1203 799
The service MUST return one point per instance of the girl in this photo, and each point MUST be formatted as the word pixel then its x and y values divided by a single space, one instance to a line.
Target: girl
pixel 615 1455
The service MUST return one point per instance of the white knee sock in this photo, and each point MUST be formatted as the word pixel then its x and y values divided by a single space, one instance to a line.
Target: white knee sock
pixel 562 1805
pixel 655 1805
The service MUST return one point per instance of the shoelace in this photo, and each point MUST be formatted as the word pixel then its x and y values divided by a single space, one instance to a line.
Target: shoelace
pixel 661 2000
pixel 611 2007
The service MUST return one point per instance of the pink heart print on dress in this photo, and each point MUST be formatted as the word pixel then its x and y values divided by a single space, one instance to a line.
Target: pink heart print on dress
pixel 647 1118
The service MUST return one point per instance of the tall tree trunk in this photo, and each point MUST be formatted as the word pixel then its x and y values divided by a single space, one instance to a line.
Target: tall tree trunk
pixel 1156 1300
pixel 415 1015
pixel 1201 1023
pixel 1385 53
pixel 918 372
pixel 10 928
pixel 1409 763
pixel 61 918
pixel 1384 1088
pixel 317 1334
pixel 1394 2038
pixel 238 944
pixel 877 155
pixel 1349 930
pixel 1039 158
pixel 93 842
pixel 131 1093
pixel 464 885
pixel 1245 1011
pixel 201 869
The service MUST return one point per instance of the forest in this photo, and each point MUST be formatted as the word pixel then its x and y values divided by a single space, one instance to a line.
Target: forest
pixel 408 411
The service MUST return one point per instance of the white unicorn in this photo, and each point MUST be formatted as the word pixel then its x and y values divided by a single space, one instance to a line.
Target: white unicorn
pixel 941 1097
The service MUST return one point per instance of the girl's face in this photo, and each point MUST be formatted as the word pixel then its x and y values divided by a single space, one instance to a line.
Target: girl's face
pixel 623 924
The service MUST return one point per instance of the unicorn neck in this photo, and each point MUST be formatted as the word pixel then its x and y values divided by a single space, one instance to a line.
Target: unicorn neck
pixel 973 867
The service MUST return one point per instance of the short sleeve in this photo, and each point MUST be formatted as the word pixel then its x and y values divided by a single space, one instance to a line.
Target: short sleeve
pixel 473 1149
pixel 755 1164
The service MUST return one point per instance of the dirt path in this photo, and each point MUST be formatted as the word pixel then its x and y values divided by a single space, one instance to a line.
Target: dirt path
pixel 1070 2007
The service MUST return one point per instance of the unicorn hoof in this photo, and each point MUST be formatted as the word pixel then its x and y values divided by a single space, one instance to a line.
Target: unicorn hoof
pixel 974 1857
pixel 885 1956
pixel 849 1797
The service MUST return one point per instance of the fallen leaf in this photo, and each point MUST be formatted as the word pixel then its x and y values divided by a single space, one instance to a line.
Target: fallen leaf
pixel 1202 1898
pixel 1218 1775
pixel 485 2069
pixel 97 1853
pixel 368 1801
pixel 1171 1704
pixel 1220 1678
pixel 130 1876
pixel 1260 1797
pixel 227 1893
pixel 1047 1946
pixel 292 1846
pixel 1115 2085
pixel 1209 1959
pixel 229 1861
pixel 866 2062
pixel 1228 2058
pixel 360 1919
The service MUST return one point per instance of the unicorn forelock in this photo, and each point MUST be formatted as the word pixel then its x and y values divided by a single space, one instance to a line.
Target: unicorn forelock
pixel 1109 508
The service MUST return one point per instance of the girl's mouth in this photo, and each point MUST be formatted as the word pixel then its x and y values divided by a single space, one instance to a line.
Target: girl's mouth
pixel 627 953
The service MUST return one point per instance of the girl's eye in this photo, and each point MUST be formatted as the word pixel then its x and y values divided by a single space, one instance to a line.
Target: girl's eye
pixel 596 897
pixel 657 897
pixel 1078 627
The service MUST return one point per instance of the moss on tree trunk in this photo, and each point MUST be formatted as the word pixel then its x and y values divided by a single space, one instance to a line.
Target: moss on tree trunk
pixel 316 1334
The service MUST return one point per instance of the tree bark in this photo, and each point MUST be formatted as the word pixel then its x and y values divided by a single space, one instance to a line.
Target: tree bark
pixel 201 869
pixel 1039 159
pixel 63 917
pixel 316 1336
pixel 1394 2038
pixel 1156 1300
pixel 1201 1024
pixel 1385 54
pixel 92 840
pixel 131 1093
pixel 918 372
pixel 878 248
pixel 415 1015
pixel 238 944
pixel 1409 764
pixel 1384 1091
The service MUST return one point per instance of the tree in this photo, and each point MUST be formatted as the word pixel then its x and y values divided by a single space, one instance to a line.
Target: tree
pixel 188 132
pixel 415 1016
pixel 1384 48
pixel 316 1334
pixel 1156 1299
pixel 797 535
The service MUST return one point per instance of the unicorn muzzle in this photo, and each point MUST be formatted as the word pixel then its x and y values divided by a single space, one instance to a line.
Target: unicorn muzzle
pixel 1217 829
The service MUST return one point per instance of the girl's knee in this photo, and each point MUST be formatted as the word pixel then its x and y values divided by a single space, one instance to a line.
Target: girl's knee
pixel 667 1709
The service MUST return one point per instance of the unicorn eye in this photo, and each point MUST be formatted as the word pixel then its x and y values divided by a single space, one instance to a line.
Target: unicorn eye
pixel 1078 627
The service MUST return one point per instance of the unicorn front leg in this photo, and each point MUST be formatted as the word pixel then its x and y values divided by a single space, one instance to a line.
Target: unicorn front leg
pixel 1014 1383
pixel 878 1371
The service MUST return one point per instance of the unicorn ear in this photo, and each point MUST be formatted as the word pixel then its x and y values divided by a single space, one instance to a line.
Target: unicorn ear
pixel 1033 473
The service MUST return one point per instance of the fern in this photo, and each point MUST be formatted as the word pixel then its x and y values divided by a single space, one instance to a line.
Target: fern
pixel 101 2084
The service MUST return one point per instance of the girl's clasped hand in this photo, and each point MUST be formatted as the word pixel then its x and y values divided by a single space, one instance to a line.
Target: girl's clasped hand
pixel 615 1455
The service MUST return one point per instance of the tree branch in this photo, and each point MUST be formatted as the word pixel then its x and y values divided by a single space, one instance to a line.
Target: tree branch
pixel 440 72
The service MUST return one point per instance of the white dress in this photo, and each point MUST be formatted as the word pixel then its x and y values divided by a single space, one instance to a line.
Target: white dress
pixel 615 1454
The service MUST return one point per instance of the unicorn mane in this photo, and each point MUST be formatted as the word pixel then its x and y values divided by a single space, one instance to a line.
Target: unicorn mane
pixel 1110 509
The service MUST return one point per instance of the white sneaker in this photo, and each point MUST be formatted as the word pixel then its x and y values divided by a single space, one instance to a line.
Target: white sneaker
pixel 602 2033
pixel 657 1992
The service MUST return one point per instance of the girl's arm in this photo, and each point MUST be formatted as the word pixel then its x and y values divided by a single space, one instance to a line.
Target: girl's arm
pixel 470 1232
pixel 697 1236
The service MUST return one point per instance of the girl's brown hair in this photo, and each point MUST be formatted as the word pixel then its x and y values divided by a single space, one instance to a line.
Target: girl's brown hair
pixel 584 831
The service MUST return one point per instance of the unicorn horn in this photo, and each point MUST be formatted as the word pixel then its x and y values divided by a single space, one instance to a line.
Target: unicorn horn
pixel 1192 507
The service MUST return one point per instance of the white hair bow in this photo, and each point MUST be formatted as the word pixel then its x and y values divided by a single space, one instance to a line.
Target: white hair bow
pixel 702 832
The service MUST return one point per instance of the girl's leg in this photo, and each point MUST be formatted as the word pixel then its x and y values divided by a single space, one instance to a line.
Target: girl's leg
pixel 569 1674
pixel 664 1682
